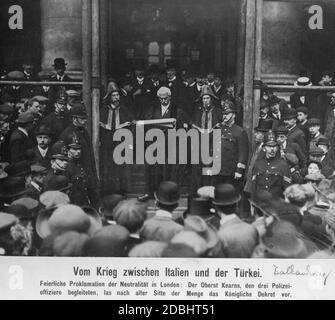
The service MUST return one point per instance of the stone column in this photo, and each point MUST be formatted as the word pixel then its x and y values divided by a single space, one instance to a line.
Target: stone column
pixel 282 34
pixel 61 33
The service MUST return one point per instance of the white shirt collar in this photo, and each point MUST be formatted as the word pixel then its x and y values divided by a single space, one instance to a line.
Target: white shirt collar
pixel 163 213
pixel 164 109
pixel 43 152
pixel 23 130
pixel 36 186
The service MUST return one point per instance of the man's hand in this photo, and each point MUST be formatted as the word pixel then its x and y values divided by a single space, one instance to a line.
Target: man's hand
pixel 237 176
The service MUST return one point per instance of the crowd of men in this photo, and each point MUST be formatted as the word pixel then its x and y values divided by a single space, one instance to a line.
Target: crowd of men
pixel 275 200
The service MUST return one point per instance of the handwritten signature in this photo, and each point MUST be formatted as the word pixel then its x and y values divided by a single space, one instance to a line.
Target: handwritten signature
pixel 291 270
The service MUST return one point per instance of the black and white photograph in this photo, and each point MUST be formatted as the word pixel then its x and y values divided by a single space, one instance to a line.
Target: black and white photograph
pixel 199 130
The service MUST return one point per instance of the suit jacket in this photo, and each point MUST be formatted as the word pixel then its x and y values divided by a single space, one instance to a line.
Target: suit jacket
pixel 328 165
pixel 19 143
pixel 65 79
pixel 296 135
pixel 310 103
pixel 179 95
pixel 38 158
pixel 294 148
pixel 216 116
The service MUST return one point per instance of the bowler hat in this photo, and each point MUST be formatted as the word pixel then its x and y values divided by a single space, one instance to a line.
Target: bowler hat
pixel 264 125
pixel 281 130
pixel 26 117
pixel 109 203
pixel 18 169
pixel 323 142
pixel 273 100
pixel 59 63
pixel 79 110
pixel 30 204
pixel 270 139
pixel 207 90
pixel 58 183
pixel 303 82
pixel 225 194
pixel 313 122
pixel 43 130
pixel 168 193
pixel 16 75
pixel 59 151
pixel 289 114
pixel 12 187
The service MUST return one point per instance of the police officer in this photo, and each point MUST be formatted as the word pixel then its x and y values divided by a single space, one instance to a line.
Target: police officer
pixel 59 161
pixel 83 191
pixel 234 149
pixel 271 173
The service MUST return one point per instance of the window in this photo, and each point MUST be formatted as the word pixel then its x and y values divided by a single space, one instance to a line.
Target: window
pixel 153 52
pixel 167 51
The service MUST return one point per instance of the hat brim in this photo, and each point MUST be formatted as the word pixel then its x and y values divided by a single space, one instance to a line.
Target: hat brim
pixel 8 196
pixel 207 94
pixel 165 202
pixel 296 84
pixel 42 223
pixel 227 203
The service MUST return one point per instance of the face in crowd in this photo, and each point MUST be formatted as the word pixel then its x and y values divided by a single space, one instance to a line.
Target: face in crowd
pixel 60 71
pixel 43 141
pixel 4 127
pixel 289 123
pixel 313 130
pixel 59 164
pixel 259 137
pixel 302 117
pixel 275 108
pixel 79 122
pixel 74 153
pixel 313 168
pixel 281 138
pixel 60 108
pixel 164 99
pixel 270 151
pixel 171 74
pixel 115 98
pixel 206 101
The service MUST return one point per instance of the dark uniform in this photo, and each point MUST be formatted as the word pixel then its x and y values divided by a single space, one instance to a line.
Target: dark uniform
pixel 297 135
pixel 234 154
pixel 271 174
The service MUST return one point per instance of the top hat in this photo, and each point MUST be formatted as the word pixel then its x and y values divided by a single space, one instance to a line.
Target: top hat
pixel 289 114
pixel 264 125
pixel 78 110
pixel 207 90
pixel 59 63
pixel 167 193
pixel 281 130
pixel 303 82
pixel 270 139
pixel 12 187
pixel 59 151
pixel 198 206
pixel 225 194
